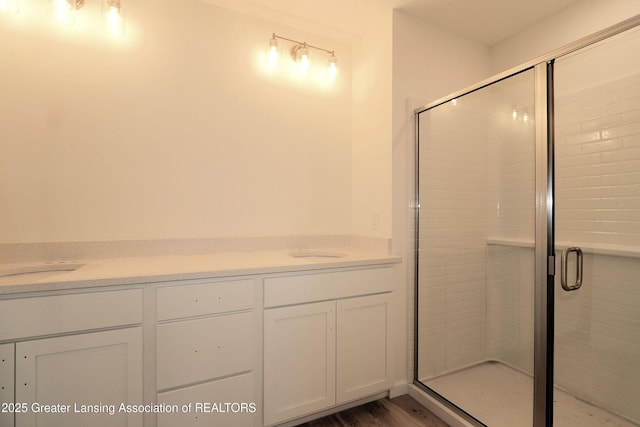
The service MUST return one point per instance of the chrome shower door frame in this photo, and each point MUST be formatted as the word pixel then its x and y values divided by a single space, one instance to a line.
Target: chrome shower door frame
pixel 544 249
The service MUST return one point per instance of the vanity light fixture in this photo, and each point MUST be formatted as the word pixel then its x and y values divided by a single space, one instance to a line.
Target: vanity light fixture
pixel 300 53
pixel 64 11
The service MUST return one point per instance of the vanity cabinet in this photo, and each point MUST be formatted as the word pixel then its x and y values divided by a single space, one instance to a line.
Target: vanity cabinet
pixel 61 359
pixel 207 351
pixel 318 355
pixel 247 350
pixel 7 396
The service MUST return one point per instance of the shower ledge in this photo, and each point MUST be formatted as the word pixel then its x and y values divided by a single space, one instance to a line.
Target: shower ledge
pixel 627 251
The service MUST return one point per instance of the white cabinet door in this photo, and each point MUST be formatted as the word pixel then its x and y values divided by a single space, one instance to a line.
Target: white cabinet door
pixel 363 365
pixel 88 371
pixel 299 360
pixel 6 383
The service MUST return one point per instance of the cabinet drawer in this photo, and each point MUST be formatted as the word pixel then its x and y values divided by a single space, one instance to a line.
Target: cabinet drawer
pixel 179 301
pixel 27 317
pixel 238 391
pixel 199 350
pixel 296 289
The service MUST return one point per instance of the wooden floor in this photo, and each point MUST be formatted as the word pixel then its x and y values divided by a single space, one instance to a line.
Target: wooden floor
pixel 401 411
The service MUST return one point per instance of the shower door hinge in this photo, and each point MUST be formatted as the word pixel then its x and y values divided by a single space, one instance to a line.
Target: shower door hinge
pixel 552 266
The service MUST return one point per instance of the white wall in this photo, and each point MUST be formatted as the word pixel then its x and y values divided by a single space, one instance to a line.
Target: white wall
pixel 578 20
pixel 176 131
pixel 372 111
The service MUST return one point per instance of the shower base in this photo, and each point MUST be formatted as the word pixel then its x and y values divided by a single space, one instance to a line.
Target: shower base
pixel 501 396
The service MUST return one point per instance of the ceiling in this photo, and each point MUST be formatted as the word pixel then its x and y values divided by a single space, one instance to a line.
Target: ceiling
pixel 486 21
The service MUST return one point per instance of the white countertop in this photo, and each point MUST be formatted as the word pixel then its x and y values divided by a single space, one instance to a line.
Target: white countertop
pixel 149 269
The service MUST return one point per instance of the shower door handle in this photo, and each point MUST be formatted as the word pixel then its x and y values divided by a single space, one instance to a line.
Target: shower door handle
pixel 563 269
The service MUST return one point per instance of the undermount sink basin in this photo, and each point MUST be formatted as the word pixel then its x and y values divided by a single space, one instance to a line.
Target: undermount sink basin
pixel 40 270
pixel 316 254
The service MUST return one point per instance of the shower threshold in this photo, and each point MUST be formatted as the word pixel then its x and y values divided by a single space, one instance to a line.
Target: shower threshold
pixel 501 396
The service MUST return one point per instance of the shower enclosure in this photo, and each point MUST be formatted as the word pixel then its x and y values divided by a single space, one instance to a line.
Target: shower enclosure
pixel 528 241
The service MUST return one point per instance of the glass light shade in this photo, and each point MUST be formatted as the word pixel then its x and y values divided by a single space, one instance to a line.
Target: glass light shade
pixel 273 52
pixel 62 11
pixel 304 60
pixel 113 17
pixel 333 67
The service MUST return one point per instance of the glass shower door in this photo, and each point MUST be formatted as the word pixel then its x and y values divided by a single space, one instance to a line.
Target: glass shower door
pixel 475 257
pixel 597 228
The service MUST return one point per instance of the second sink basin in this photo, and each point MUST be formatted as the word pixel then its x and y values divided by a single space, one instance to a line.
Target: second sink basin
pixel 38 271
pixel 307 253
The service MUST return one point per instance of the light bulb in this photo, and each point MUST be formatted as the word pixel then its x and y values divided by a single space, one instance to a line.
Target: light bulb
pixel 273 52
pixel 514 115
pixel 112 16
pixel 333 68
pixel 304 61
pixel 62 11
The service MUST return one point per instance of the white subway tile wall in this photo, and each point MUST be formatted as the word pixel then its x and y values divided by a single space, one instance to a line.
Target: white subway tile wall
pixel 510 268
pixel 598 164
pixel 598 205
pixel 452 245
pixel 510 306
